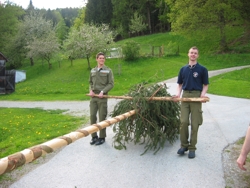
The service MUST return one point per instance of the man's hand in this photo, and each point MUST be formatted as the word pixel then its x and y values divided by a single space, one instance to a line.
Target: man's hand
pixel 241 161
pixel 203 96
pixel 91 93
pixel 100 94
pixel 175 98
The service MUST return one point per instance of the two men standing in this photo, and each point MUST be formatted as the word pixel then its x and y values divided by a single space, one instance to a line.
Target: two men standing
pixel 192 81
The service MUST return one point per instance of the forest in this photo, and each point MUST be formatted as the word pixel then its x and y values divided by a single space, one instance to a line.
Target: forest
pixel 71 33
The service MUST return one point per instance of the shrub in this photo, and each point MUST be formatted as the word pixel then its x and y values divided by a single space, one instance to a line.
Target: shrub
pixel 131 50
pixel 171 49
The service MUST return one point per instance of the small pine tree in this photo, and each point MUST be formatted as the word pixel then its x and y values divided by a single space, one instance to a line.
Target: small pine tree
pixel 154 123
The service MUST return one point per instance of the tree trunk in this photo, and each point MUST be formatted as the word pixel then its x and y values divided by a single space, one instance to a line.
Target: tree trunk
pixel 50 65
pixel 31 62
pixel 88 62
pixel 223 41
pixel 149 18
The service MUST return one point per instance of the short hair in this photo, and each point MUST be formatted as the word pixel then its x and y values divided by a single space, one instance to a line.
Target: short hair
pixel 194 48
pixel 99 53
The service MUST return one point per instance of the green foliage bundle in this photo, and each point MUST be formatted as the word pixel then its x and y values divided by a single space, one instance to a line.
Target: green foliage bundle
pixel 131 50
pixel 154 123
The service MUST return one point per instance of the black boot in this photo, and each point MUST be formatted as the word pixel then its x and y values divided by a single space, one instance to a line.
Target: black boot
pixel 100 141
pixel 94 140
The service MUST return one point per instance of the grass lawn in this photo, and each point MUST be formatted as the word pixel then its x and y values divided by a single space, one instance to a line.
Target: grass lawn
pixel 232 84
pixel 23 128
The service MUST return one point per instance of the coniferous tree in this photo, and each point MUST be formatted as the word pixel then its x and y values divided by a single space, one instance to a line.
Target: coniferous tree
pixel 31 7
pixel 122 12
pixel 154 123
pixel 99 11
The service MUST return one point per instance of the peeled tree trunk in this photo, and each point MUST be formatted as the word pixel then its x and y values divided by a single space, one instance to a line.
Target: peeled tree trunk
pixel 18 159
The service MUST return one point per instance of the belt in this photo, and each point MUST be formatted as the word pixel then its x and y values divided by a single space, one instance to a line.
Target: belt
pixel 192 91
pixel 97 92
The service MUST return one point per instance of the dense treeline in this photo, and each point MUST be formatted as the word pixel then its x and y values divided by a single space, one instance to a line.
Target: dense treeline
pixel 121 13
pixel 48 34
pixel 25 30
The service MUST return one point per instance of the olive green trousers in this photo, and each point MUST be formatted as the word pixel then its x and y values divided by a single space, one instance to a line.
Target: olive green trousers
pixel 191 114
pixel 99 105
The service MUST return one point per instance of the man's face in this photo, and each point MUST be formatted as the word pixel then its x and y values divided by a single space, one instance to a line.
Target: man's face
pixel 193 54
pixel 100 60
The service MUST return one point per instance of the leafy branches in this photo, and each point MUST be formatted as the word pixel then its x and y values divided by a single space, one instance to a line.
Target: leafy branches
pixel 87 40
pixel 154 123
pixel 189 16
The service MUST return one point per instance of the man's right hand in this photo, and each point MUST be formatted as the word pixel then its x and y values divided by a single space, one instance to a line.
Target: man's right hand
pixel 241 161
pixel 175 97
pixel 91 93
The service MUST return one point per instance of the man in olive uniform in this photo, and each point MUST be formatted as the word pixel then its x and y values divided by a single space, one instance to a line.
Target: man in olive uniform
pixel 193 81
pixel 101 82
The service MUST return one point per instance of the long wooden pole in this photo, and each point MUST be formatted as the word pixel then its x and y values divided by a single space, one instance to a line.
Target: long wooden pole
pixel 159 98
pixel 11 162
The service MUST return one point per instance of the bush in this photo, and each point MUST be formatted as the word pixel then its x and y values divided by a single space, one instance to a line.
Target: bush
pixel 131 50
pixel 171 49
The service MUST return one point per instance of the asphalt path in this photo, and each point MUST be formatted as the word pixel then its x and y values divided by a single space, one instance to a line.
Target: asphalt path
pixel 82 165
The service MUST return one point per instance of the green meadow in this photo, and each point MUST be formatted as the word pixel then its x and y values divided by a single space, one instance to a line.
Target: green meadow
pixel 23 128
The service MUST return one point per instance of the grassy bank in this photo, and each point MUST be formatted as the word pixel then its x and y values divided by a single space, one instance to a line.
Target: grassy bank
pixel 71 82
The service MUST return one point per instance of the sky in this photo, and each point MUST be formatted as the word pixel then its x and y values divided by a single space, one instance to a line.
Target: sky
pixel 50 4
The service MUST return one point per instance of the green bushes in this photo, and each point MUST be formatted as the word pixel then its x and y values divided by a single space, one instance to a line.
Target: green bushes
pixel 131 50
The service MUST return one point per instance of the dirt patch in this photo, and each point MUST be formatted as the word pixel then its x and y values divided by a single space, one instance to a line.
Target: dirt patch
pixel 233 175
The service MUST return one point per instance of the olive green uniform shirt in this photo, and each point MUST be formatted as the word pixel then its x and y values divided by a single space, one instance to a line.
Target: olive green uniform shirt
pixel 102 80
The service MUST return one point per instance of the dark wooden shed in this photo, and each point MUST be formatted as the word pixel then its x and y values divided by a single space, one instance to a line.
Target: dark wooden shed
pixel 7 77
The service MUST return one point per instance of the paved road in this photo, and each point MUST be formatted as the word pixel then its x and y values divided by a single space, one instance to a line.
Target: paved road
pixel 82 165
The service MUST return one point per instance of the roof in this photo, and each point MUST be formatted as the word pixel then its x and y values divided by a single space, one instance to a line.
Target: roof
pixel 2 57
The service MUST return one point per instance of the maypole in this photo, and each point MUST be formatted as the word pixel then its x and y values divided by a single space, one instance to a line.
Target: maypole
pixel 159 98
pixel 12 162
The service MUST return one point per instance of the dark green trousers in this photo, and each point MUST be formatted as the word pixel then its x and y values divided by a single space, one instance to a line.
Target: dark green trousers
pixel 191 114
pixel 99 105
